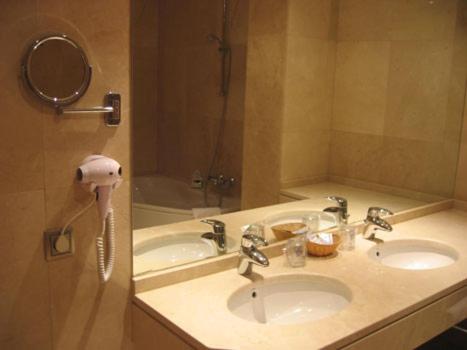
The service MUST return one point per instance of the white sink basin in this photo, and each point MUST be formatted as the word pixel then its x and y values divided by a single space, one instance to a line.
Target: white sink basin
pixel 413 254
pixel 290 299
pixel 326 220
pixel 174 249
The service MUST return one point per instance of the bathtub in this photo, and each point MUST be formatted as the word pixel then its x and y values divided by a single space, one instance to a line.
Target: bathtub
pixel 160 200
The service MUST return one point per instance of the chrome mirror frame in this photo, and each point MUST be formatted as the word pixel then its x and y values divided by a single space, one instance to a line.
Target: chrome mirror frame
pixel 54 100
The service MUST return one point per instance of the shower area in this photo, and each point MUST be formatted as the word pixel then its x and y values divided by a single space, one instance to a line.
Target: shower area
pixel 188 93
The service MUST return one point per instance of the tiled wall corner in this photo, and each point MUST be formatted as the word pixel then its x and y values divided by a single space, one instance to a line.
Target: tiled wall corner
pixel 264 103
pixel 308 90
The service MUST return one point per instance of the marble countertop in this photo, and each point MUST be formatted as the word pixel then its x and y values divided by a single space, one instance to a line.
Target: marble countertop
pixel 381 295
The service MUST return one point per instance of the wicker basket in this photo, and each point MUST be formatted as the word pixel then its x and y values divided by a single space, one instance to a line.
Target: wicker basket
pixel 316 249
pixel 286 231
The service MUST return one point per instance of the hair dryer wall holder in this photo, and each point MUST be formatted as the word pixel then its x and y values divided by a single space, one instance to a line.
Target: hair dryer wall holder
pixel 111 110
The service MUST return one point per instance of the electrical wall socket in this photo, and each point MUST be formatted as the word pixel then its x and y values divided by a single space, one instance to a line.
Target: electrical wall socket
pixel 50 239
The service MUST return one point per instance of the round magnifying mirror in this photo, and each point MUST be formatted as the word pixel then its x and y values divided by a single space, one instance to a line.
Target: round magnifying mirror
pixel 57 70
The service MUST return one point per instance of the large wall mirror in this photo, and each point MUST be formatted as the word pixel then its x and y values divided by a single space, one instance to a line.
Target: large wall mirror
pixel 244 104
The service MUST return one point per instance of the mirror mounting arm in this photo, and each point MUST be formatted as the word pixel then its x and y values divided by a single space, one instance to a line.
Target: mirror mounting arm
pixel 111 109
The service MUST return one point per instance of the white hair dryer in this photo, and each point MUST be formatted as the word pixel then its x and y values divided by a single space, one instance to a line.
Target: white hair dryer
pixel 102 175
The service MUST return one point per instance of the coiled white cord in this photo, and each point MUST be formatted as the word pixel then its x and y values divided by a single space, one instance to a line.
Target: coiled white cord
pixel 105 263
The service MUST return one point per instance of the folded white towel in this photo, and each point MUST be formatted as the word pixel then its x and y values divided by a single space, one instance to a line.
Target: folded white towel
pixel 321 238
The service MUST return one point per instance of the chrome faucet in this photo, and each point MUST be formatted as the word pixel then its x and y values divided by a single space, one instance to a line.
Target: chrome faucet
pixel 218 234
pixel 341 210
pixel 374 222
pixel 250 255
pixel 220 181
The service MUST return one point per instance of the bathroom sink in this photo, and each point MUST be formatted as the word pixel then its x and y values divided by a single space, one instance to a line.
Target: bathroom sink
pixel 413 254
pixel 174 249
pixel 326 220
pixel 290 299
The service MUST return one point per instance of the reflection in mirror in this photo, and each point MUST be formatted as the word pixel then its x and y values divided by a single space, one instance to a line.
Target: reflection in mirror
pixel 324 104
pixel 57 70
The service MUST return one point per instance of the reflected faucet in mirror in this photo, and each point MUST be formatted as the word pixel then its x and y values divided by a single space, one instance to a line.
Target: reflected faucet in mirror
pixel 249 255
pixel 374 222
pixel 221 181
pixel 218 234
pixel 341 210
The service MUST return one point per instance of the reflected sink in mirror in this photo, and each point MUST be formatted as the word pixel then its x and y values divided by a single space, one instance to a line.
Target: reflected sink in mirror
pixel 290 299
pixel 175 249
pixel 413 254
pixel 326 220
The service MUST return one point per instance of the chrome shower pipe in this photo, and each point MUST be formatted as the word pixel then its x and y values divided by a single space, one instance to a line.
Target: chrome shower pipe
pixel 226 68
pixel 224 49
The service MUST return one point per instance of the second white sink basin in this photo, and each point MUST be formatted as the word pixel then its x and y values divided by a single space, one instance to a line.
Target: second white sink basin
pixel 290 299
pixel 413 254
pixel 176 248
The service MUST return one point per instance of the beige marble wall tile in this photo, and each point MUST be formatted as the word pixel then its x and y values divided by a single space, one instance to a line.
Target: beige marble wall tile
pixel 262 123
pixel 461 179
pixel 418 165
pixel 267 17
pixel 144 81
pixel 305 155
pixel 411 164
pixel 311 18
pixel 461 183
pixel 43 150
pixel 263 103
pixel 308 90
pixel 396 19
pixel 360 86
pixel 308 84
pixel 21 142
pixel 85 314
pixel 418 90
pixel 356 156
pixel 365 19
pixel 24 291
pixel 423 20
pixel 422 100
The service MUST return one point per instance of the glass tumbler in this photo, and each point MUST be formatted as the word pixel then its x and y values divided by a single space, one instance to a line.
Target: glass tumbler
pixel 311 222
pixel 348 237
pixel 256 229
pixel 295 251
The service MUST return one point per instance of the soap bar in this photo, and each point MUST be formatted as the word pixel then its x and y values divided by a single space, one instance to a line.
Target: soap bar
pixel 321 238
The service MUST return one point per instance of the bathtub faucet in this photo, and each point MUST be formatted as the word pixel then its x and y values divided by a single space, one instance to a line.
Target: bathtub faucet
pixel 221 181
pixel 218 234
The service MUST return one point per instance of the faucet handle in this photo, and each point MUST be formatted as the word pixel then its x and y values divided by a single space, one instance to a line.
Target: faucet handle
pixel 374 212
pixel 341 201
pixel 217 225
pixel 249 239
